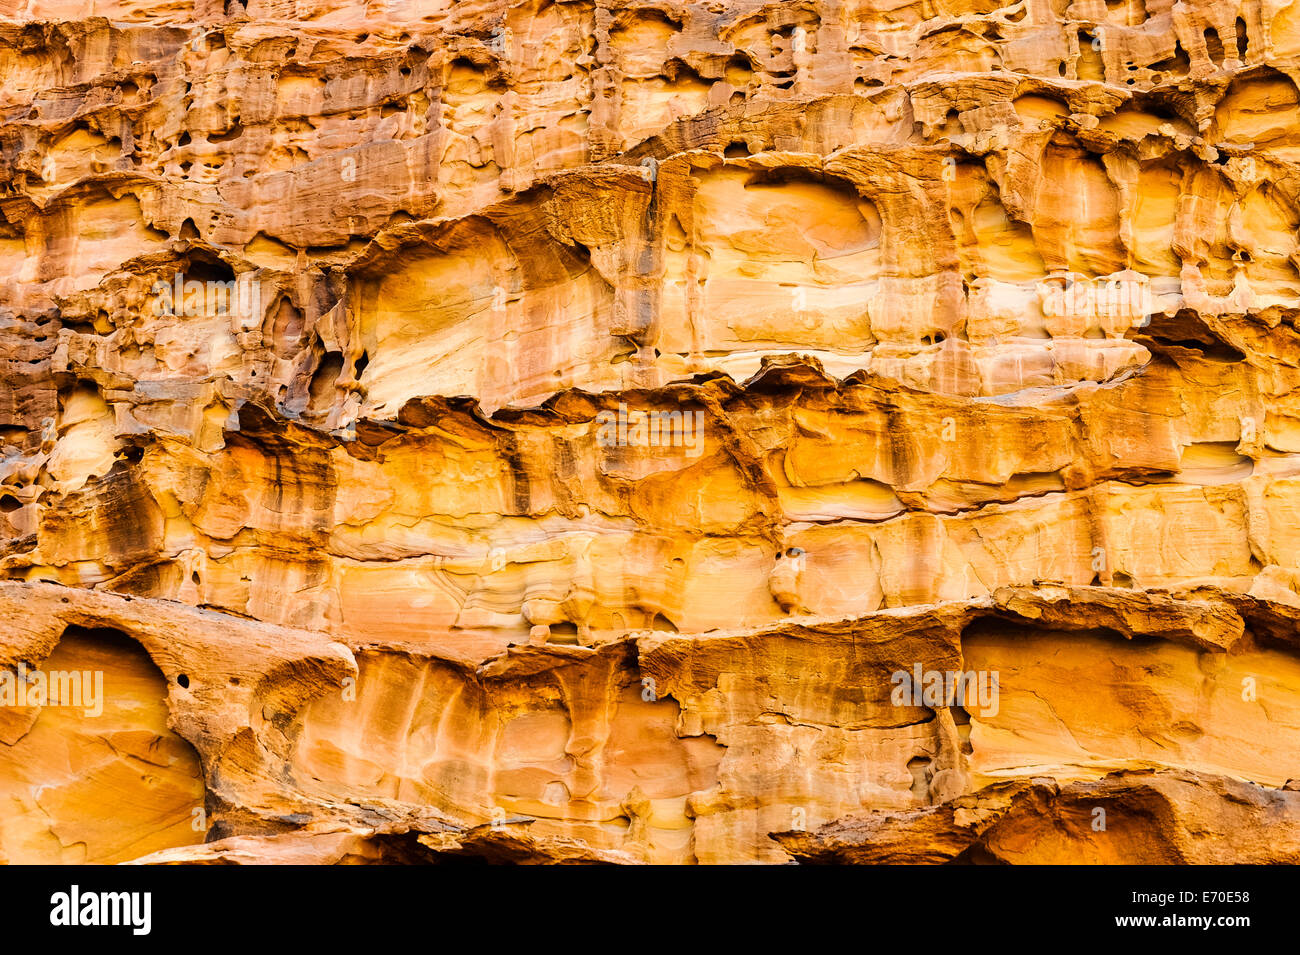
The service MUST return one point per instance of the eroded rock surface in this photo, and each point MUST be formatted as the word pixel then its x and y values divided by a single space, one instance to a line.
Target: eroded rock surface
pixel 586 431
pixel 1167 818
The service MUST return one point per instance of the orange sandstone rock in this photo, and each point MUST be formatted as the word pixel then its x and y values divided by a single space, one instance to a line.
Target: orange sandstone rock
pixel 672 432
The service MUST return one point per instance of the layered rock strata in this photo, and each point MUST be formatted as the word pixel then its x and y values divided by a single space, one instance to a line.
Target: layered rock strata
pixel 649 432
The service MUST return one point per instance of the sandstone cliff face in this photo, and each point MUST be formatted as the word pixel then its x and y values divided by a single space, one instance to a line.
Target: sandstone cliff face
pixel 604 431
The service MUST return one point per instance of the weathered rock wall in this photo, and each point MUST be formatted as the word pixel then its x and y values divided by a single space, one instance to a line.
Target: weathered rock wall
pixel 565 431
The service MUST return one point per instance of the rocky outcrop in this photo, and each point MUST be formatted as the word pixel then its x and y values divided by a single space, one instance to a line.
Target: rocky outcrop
pixel 669 432
pixel 1163 818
